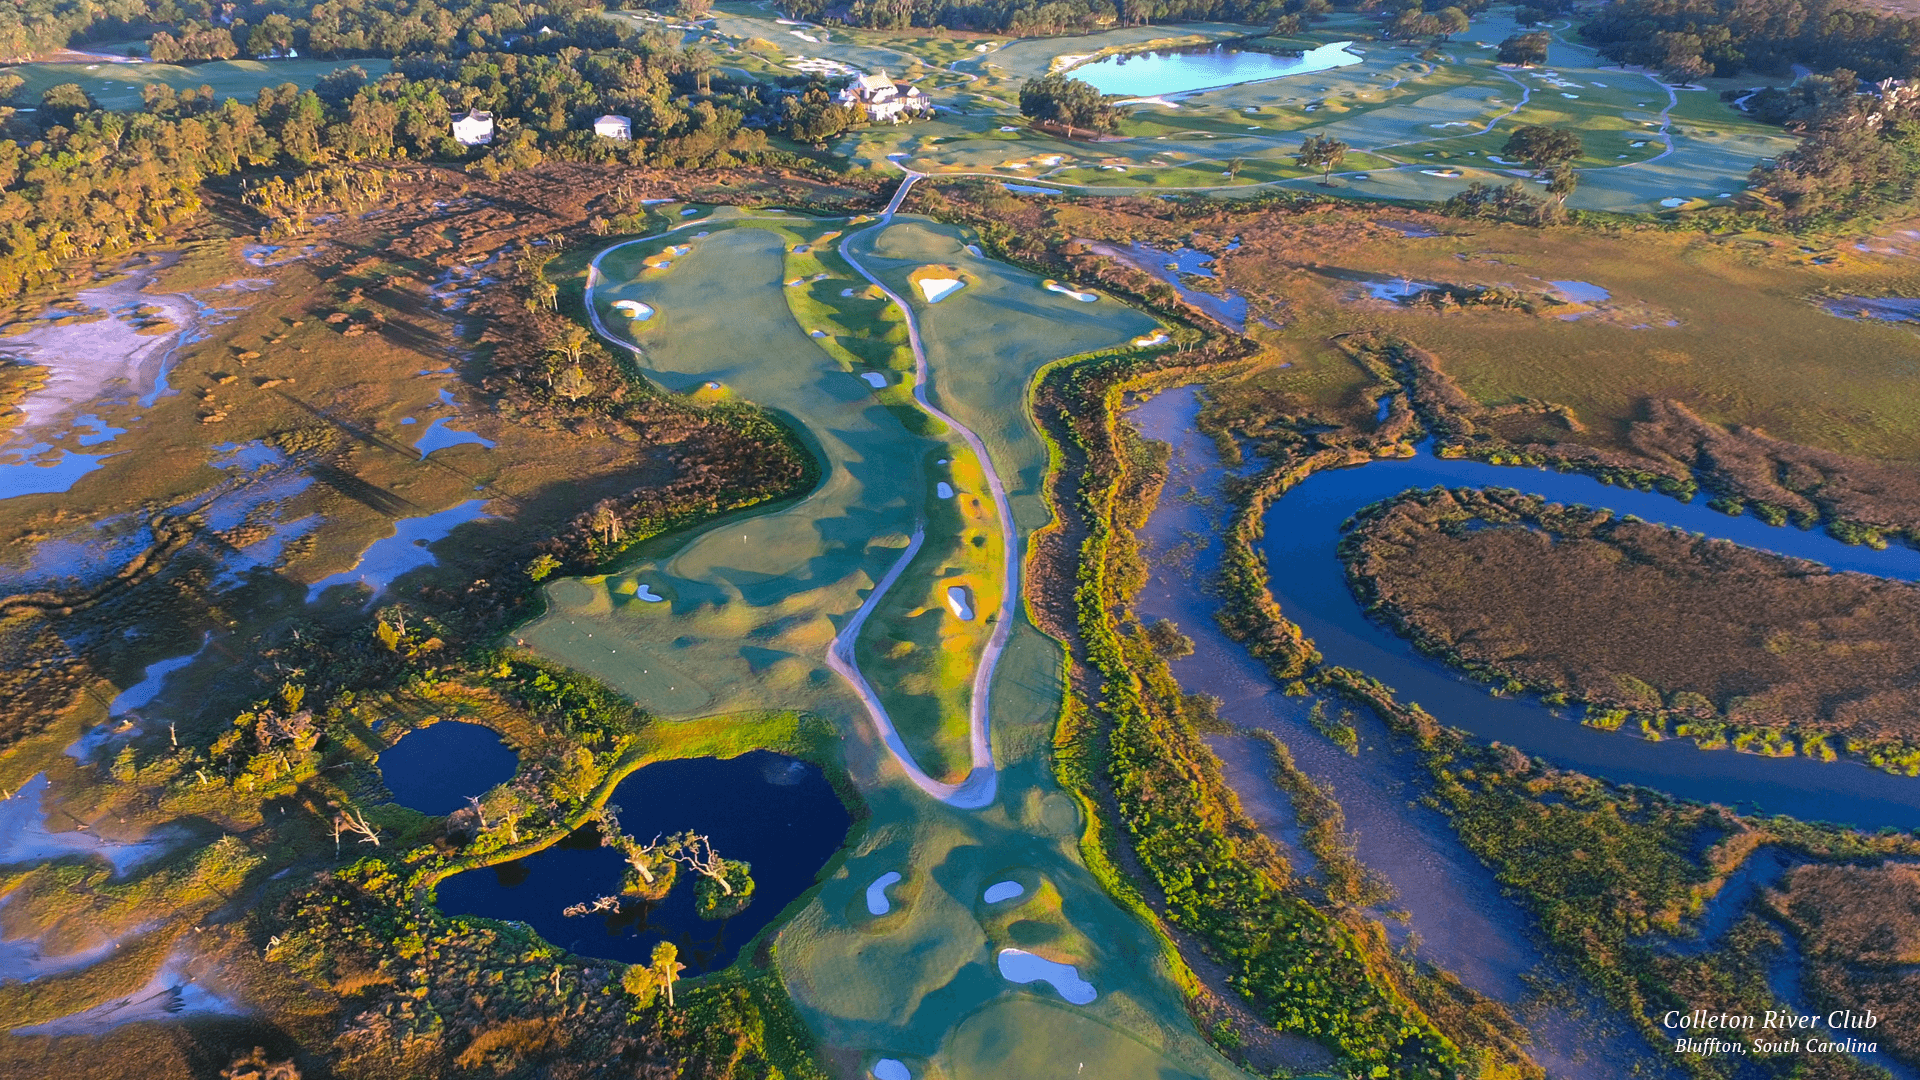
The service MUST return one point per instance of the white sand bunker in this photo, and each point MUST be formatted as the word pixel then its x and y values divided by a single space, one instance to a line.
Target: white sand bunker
pixel 874 379
pixel 891 1068
pixel 645 592
pixel 1021 966
pixel 960 599
pixel 818 334
pixel 877 903
pixel 1673 202
pixel 1068 290
pixel 943 489
pixel 1158 337
pixel 1002 890
pixel 936 289
pixel 633 309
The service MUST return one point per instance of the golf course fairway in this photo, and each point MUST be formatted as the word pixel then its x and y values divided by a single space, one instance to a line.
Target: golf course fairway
pixel 752 614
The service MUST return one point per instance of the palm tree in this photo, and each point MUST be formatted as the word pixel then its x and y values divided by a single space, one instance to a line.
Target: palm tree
pixel 666 967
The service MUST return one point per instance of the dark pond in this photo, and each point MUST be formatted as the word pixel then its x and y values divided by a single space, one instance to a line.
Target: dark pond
pixel 779 814
pixel 434 769
pixel 1303 532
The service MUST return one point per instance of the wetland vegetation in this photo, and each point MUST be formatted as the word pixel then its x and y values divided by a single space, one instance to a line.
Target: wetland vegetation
pixel 704 431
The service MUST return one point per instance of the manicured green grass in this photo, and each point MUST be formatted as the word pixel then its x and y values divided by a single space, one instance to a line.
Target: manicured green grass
pixel 118 86
pixel 1401 114
pixel 751 606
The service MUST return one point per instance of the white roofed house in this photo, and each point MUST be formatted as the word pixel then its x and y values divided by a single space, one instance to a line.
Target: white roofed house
pixel 473 129
pixel 884 99
pixel 613 127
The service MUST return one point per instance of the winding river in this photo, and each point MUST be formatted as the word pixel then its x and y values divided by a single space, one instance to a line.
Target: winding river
pixel 1308 579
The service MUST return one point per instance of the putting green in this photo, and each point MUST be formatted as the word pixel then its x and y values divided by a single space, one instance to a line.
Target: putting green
pixel 749 609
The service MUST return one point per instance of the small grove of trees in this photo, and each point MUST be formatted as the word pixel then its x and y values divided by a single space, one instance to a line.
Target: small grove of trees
pixel 724 889
pixel 1442 24
pixel 814 117
pixel 1323 152
pixel 1859 155
pixel 644 982
pixel 1071 103
pixel 1541 147
pixel 1525 49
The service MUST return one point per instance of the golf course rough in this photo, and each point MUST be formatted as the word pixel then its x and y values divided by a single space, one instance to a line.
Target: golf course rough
pixel 752 605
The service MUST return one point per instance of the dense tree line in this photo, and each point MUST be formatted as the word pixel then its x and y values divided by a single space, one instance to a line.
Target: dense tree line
pixel 1727 37
pixel 1031 17
pixel 78 182
pixel 208 30
pixel 1861 152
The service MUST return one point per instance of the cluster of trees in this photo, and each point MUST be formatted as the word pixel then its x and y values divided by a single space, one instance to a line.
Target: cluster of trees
pixel 1525 49
pixel 1861 152
pixel 77 182
pixel 1071 103
pixel 1032 17
pixel 725 887
pixel 208 30
pixel 1687 39
pixel 1415 22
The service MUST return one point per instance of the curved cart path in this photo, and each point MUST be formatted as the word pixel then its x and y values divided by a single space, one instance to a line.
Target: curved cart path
pixel 982 782
pixel 977 790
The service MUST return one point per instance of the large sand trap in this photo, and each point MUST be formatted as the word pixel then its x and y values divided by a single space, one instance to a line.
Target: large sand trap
pixel 891 1069
pixel 1158 337
pixel 874 379
pixel 1002 890
pixel 877 903
pixel 645 592
pixel 633 309
pixel 936 289
pixel 960 599
pixel 1068 290
pixel 943 489
pixel 1021 966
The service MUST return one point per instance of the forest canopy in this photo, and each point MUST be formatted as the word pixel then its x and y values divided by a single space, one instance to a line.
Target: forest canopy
pixel 1732 37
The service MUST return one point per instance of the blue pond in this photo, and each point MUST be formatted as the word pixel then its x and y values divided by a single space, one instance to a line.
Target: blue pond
pixel 1303 530
pixel 1178 71
pixel 434 769
pixel 779 814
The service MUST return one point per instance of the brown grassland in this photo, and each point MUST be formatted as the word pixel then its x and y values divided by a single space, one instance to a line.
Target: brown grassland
pixel 1859 933
pixel 1655 621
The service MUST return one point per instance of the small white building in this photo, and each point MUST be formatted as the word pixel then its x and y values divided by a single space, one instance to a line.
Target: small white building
pixel 884 99
pixel 614 127
pixel 473 129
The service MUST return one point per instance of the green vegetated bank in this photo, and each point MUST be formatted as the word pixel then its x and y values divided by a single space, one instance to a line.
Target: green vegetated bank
pixel 1652 626
pixel 284 869
pixel 1130 744
pixel 1615 876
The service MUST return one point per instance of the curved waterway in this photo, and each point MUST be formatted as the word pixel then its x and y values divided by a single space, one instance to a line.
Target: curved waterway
pixel 1303 530
pixel 1463 919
